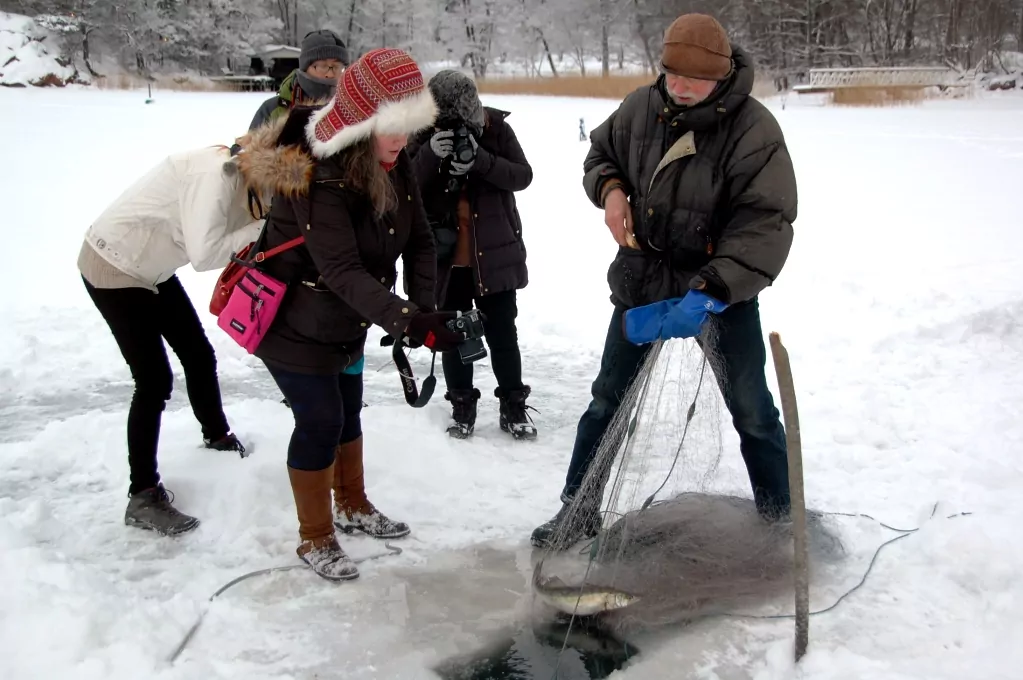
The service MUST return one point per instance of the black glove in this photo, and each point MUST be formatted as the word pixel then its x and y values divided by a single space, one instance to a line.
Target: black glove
pixel 429 329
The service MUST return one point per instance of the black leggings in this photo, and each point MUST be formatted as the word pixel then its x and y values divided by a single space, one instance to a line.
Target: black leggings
pixel 327 410
pixel 140 321
pixel 500 333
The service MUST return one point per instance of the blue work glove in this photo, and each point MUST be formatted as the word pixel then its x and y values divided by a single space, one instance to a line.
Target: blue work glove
pixel 675 318
pixel 641 325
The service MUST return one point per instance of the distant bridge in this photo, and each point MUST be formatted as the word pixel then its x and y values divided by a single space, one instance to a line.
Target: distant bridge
pixel 828 79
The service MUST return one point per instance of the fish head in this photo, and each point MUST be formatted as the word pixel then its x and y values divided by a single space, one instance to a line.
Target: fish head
pixel 618 600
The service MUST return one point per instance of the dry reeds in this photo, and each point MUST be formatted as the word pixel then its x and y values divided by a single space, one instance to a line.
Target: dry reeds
pixel 612 87
pixel 893 95
pixel 574 85
pixel 175 83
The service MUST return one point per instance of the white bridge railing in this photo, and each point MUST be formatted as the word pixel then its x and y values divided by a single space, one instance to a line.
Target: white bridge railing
pixel 881 76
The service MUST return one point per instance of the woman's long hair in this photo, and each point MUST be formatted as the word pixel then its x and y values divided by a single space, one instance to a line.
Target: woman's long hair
pixel 359 164
pixel 364 173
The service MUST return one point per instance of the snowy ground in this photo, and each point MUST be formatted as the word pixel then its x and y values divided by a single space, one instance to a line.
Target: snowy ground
pixel 901 305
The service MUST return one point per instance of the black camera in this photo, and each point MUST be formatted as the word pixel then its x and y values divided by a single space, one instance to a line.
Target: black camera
pixel 469 324
pixel 463 151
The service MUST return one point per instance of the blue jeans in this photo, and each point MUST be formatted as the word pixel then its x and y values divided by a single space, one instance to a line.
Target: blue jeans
pixel 741 377
pixel 327 410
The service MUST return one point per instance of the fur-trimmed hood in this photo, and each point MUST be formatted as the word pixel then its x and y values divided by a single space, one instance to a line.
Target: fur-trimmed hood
pixel 269 169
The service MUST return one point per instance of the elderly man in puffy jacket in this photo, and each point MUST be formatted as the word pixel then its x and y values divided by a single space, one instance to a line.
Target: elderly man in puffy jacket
pixel 699 192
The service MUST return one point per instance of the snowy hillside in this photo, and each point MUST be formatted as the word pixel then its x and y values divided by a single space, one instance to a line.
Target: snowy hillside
pixel 901 305
pixel 30 55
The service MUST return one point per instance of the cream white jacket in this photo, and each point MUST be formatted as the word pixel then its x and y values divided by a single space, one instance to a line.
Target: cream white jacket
pixel 191 208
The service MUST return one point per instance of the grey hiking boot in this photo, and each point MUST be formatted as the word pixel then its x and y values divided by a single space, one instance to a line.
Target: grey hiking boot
pixel 585 524
pixel 151 509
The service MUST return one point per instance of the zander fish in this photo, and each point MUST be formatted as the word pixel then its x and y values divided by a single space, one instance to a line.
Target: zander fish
pixel 584 600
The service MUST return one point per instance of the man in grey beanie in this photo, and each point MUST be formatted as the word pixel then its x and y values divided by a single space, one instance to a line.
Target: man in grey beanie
pixel 323 58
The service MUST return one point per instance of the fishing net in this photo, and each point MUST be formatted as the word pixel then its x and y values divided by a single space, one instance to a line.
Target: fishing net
pixel 679 532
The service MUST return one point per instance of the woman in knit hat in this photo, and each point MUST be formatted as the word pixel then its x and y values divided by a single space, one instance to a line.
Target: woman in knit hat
pixel 342 180
pixel 320 63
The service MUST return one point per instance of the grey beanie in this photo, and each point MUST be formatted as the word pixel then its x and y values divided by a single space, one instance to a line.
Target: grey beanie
pixel 322 45
pixel 457 98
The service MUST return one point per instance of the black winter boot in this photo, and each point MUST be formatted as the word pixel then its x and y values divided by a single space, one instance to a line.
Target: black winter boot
pixel 585 524
pixel 228 442
pixel 514 418
pixel 463 412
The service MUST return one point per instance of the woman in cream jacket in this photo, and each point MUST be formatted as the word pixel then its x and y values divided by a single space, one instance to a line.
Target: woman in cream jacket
pixel 192 208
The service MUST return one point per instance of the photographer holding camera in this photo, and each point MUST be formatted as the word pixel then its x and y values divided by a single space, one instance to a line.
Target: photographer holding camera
pixel 468 168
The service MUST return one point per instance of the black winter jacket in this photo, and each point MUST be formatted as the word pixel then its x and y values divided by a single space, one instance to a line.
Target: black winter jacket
pixel 341 279
pixel 711 187
pixel 500 170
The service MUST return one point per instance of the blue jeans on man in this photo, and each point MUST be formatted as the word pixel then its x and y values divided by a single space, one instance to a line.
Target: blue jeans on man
pixel 739 368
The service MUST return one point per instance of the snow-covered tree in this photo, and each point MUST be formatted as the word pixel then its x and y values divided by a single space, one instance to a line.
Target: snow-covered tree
pixel 547 37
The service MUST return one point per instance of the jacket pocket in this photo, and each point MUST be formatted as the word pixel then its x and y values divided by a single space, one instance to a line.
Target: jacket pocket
pixel 638 278
pixel 320 315
pixel 445 236
pixel 689 238
pixel 645 226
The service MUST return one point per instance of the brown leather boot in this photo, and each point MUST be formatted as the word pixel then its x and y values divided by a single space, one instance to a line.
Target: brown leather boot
pixel 353 511
pixel 319 547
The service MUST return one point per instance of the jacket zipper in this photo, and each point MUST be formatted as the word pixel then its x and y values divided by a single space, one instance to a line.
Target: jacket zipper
pixel 475 252
pixel 475 246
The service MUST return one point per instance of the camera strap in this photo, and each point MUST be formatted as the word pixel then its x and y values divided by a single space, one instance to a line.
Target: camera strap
pixel 413 396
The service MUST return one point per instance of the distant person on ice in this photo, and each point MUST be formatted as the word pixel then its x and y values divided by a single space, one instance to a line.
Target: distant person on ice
pixel 341 179
pixel 699 192
pixel 481 254
pixel 184 211
pixel 323 58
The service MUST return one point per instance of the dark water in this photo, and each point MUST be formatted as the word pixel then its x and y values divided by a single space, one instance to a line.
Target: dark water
pixel 535 653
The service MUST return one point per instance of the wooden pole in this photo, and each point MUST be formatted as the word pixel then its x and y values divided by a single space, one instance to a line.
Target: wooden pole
pixel 801 575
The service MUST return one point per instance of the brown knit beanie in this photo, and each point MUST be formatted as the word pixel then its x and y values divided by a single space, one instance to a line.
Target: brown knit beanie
pixel 696 46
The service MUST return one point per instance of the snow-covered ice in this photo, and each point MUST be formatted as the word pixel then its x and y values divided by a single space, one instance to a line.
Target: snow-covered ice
pixel 901 306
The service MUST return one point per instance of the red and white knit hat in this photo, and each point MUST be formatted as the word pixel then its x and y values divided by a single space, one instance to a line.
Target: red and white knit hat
pixel 382 92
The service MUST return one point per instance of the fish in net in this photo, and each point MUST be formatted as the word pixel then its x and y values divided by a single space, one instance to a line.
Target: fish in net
pixel 678 540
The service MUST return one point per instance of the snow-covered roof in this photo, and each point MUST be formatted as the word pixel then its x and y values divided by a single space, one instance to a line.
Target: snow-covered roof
pixel 278 52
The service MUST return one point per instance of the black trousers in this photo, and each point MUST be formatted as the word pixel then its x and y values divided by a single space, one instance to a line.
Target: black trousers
pixel 501 334
pixel 140 321
pixel 327 411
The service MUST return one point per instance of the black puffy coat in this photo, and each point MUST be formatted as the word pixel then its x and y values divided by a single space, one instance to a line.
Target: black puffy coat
pixel 500 169
pixel 711 187
pixel 341 279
